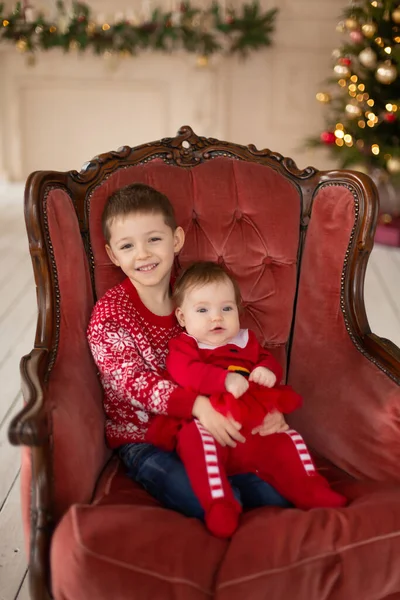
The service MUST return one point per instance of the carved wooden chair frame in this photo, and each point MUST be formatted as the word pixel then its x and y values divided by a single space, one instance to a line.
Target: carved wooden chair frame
pixel 31 426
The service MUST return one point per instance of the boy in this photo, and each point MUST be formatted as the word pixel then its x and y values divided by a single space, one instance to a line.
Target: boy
pixel 218 358
pixel 128 335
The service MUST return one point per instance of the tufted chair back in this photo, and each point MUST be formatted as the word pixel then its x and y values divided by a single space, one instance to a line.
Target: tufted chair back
pixel 250 211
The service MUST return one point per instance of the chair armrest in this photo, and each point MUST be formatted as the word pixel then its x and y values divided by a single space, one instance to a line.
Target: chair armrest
pixel 30 426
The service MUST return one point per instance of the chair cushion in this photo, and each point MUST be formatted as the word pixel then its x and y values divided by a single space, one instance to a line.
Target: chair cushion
pixel 125 546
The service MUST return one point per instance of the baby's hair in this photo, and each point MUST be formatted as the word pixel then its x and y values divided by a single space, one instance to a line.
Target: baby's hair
pixel 199 274
pixel 136 198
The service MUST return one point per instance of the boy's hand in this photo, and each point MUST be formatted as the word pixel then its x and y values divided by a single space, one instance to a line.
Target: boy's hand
pixel 274 422
pixel 263 376
pixel 236 384
pixel 223 429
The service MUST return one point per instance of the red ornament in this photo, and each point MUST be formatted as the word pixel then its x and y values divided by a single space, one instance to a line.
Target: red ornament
pixel 345 61
pixel 81 18
pixel 389 117
pixel 328 137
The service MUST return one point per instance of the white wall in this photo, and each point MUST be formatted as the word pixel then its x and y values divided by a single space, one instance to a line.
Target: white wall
pixel 69 108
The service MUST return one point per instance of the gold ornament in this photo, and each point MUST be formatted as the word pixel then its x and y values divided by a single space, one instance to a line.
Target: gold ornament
pixel 367 58
pixel 340 27
pixel 351 24
pixel 386 73
pixel 342 70
pixel 353 111
pixel 202 62
pixel 393 165
pixel 369 29
pixel 22 45
pixel 396 15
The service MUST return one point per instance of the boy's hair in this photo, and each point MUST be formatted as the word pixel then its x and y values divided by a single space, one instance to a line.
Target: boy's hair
pixel 136 198
pixel 199 274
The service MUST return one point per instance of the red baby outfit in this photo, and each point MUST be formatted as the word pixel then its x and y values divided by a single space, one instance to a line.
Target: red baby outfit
pixel 281 459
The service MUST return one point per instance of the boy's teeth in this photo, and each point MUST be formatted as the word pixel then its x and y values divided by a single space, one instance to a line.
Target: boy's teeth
pixel 146 268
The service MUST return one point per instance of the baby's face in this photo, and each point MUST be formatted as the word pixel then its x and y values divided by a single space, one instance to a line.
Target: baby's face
pixel 210 314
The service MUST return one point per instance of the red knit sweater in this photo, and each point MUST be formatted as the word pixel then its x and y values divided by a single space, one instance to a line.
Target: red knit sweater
pixel 129 345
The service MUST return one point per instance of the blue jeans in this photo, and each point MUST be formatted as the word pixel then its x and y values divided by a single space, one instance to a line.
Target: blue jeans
pixel 163 475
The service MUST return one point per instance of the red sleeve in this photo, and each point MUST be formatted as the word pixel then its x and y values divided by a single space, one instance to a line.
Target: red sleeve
pixel 127 378
pixel 187 368
pixel 265 359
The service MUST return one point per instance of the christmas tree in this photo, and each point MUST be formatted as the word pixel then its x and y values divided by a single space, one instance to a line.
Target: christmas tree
pixel 363 96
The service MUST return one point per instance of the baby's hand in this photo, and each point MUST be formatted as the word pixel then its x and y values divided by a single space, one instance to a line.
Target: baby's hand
pixel 263 376
pixel 236 384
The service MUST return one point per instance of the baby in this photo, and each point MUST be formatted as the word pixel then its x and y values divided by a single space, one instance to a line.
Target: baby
pixel 215 357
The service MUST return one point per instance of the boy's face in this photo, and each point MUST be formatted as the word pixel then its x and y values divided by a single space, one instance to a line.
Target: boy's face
pixel 210 314
pixel 143 246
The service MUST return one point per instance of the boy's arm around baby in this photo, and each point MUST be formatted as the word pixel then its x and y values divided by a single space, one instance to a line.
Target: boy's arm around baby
pixel 131 373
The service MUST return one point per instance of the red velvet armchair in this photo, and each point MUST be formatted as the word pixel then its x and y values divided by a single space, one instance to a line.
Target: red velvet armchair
pixel 298 243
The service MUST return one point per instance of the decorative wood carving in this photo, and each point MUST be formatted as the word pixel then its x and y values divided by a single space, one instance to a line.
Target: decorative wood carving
pixel 32 427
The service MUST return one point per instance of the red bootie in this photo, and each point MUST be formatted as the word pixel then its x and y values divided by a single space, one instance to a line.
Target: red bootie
pixel 222 518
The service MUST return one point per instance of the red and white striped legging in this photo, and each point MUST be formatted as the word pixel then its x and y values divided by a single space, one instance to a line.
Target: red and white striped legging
pixel 281 459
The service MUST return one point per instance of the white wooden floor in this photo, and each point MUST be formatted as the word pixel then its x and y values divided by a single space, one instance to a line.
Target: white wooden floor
pixel 17 326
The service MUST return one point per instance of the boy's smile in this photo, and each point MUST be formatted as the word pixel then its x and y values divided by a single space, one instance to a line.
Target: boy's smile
pixel 144 246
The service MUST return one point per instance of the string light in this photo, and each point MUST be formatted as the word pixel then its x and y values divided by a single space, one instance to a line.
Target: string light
pixel 339 133
pixel 370 102
pixel 342 82
pixel 352 87
pixel 322 97
pixel 339 126
pixel 375 149
pixel 361 87
pixel 388 50
pixel 361 124
pixel 339 142
pixel 389 107
pixel 6 23
pixel 354 78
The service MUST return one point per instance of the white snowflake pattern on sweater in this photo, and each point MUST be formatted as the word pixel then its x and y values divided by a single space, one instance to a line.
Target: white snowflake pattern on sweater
pixel 129 351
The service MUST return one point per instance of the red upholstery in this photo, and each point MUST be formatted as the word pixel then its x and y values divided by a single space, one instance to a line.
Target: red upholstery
pixel 225 206
pixel 345 393
pixel 122 545
pixel 125 546
pixel 76 409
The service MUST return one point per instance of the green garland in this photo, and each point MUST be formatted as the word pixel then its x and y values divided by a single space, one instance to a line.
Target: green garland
pixel 204 32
